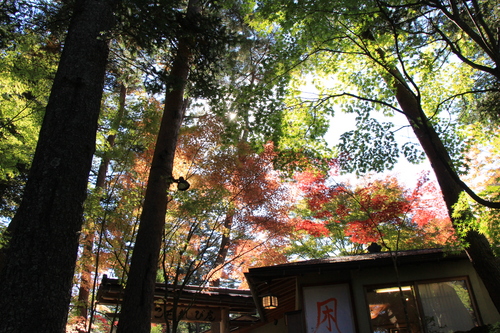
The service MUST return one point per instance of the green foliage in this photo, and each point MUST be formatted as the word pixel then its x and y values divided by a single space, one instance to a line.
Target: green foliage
pixel 352 49
pixel 306 246
pixel 250 63
pixel 4 238
pixel 256 104
pixel 27 67
pixel 153 30
pixel 18 17
pixel 495 328
pixel 485 108
pixel 473 216
pixel 11 190
pixel 157 329
pixel 371 147
pixel 26 71
pixel 412 152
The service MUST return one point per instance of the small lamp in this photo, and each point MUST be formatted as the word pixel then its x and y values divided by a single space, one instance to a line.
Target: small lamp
pixel 182 184
pixel 269 301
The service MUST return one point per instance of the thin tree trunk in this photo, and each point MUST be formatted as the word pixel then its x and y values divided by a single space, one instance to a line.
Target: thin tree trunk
pixel 478 249
pixel 89 237
pixel 223 248
pixel 37 275
pixel 135 316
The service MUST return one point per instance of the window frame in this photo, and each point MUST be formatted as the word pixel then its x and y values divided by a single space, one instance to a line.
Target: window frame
pixel 416 294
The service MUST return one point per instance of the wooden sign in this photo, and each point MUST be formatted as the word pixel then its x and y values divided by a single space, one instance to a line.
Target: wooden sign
pixel 163 312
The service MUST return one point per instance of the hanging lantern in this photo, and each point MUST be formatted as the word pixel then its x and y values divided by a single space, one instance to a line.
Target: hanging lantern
pixel 269 301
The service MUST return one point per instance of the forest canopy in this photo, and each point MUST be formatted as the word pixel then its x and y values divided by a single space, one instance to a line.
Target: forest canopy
pixel 107 106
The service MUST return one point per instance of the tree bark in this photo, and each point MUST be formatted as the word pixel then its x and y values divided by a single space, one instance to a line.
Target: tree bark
pixel 135 315
pixel 37 274
pixel 478 249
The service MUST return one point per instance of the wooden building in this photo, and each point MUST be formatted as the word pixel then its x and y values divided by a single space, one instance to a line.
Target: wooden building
pixel 408 291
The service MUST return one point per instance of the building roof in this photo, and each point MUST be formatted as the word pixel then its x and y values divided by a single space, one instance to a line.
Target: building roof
pixel 239 303
pixel 111 293
pixel 352 262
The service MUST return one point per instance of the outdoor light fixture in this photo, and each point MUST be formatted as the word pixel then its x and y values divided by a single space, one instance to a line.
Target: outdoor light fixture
pixel 269 301
pixel 182 184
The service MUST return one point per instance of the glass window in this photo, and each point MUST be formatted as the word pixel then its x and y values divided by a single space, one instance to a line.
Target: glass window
pixel 393 310
pixel 447 306
pixel 422 307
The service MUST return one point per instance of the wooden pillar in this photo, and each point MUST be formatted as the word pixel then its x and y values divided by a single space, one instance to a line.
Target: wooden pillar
pixel 223 325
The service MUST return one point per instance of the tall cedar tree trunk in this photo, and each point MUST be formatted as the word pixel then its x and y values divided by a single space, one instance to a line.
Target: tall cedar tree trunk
pixel 479 249
pixel 135 316
pixel 88 238
pixel 223 248
pixel 37 273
